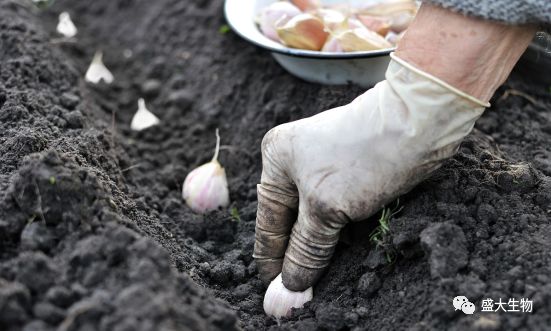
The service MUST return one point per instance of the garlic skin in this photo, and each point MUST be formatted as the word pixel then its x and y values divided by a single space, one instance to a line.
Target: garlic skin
pixel 66 27
pixel 98 71
pixel 304 31
pixel 206 187
pixel 274 16
pixel 143 118
pixel 278 300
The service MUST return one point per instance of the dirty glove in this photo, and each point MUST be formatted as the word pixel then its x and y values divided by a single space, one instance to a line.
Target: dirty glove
pixel 345 164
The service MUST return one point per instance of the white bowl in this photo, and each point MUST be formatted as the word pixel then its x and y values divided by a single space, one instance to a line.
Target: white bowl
pixel 362 68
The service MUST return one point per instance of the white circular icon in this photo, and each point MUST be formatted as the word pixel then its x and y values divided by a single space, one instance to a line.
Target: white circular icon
pixel 468 308
pixel 458 301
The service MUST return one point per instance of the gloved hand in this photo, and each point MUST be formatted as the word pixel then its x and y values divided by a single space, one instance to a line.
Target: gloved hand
pixel 345 164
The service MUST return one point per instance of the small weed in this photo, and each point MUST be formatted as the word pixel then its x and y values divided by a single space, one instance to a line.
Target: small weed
pixel 377 235
pixel 224 29
pixel 42 4
pixel 235 214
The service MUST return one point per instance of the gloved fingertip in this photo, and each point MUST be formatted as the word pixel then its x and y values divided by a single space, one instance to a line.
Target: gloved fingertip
pixel 298 278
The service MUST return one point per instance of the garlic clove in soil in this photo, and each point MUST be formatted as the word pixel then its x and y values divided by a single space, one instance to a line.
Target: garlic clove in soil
pixel 278 300
pixel 274 16
pixel 143 118
pixel 304 31
pixel 98 71
pixel 66 27
pixel 206 187
pixel 355 40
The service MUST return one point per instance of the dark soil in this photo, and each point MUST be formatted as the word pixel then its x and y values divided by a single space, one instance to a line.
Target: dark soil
pixel 94 234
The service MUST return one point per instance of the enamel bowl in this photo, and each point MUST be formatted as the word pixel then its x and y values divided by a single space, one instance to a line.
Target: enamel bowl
pixel 361 68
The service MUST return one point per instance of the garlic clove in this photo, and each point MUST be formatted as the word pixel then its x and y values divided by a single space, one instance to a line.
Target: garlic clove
pixel 380 25
pixel 388 8
pixel 274 16
pixel 143 118
pixel 356 40
pixel 66 27
pixel 278 300
pixel 98 71
pixel 306 5
pixel 400 22
pixel 332 45
pixel 206 187
pixel 333 19
pixel 304 31
pixel 393 37
pixel 399 13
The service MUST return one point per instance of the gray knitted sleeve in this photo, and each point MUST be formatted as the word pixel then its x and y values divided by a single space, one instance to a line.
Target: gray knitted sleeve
pixel 508 11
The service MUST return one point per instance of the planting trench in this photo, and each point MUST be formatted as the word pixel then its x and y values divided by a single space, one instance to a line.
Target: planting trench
pixel 94 234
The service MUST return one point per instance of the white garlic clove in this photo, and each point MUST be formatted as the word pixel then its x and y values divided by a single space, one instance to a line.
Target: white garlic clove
pixel 274 16
pixel 393 37
pixel 333 19
pixel 356 40
pixel 332 45
pixel 66 27
pixel 304 31
pixel 206 187
pixel 98 71
pixel 398 13
pixel 143 118
pixel 278 300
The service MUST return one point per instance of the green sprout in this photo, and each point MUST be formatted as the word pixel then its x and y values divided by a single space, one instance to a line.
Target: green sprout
pixel 224 29
pixel 378 234
pixel 235 214
pixel 52 180
pixel 42 4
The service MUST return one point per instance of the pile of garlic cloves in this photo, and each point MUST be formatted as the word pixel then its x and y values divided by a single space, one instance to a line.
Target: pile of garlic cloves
pixel 305 24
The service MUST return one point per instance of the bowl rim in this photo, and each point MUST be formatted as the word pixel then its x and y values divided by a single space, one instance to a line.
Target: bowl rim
pixel 304 53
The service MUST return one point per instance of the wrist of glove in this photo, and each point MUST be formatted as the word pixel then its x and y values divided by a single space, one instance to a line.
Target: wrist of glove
pixel 345 164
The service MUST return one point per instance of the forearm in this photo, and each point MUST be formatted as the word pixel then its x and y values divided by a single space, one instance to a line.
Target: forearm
pixel 473 55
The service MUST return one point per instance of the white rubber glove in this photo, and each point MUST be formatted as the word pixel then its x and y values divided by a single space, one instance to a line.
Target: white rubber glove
pixel 345 164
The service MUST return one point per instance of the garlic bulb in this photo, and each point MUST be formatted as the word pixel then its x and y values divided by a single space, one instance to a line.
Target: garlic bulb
pixel 274 16
pixel 278 300
pixel 97 71
pixel 143 118
pixel 66 27
pixel 304 31
pixel 206 187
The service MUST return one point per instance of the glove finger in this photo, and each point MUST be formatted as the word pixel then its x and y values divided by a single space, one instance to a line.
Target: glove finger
pixel 311 246
pixel 275 216
pixel 277 209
